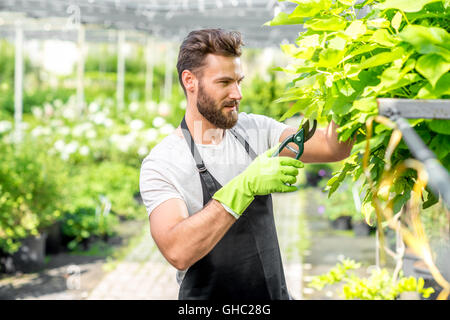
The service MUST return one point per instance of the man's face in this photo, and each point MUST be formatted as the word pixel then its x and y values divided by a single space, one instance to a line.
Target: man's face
pixel 219 91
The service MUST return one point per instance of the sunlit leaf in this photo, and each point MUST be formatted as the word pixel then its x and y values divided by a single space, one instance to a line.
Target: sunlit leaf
pixel 284 18
pixel 404 5
pixel 432 66
pixel 396 20
pixel 331 24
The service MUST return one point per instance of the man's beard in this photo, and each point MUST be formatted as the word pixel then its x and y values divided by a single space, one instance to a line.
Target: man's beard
pixel 215 114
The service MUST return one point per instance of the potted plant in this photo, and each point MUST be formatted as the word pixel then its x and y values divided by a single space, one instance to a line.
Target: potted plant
pixel 340 209
pixel 32 197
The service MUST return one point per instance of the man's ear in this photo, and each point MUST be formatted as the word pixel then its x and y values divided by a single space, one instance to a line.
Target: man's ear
pixel 189 81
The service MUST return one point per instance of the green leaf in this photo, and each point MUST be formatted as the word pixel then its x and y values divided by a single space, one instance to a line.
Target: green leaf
pixel 383 37
pixel 440 126
pixel 360 50
pixel 441 88
pixel 346 89
pixel 337 43
pixel 396 21
pixel 297 107
pixel 326 24
pixel 308 41
pixel 329 58
pixel 379 23
pixel 440 145
pixel 356 29
pixel 383 58
pixel 427 39
pixel 309 8
pixel 404 5
pixel 366 104
pixel 431 199
pixel 374 142
pixel 347 2
pixel 284 18
pixel 432 66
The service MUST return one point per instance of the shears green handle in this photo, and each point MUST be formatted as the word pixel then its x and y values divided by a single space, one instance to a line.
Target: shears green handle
pixel 299 138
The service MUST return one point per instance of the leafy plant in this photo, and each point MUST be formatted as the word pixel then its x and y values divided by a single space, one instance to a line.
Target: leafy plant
pixel 351 53
pixel 32 193
pixel 342 204
pixel 85 223
pixel 380 285
pixel 115 181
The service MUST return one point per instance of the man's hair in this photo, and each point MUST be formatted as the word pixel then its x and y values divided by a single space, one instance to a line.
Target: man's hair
pixel 200 43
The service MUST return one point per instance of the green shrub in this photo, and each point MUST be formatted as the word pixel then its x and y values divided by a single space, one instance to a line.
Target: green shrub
pixel 115 181
pixel 380 285
pixel 32 193
pixel 85 223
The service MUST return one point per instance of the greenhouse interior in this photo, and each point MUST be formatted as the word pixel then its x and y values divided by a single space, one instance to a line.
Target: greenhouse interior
pixel 91 91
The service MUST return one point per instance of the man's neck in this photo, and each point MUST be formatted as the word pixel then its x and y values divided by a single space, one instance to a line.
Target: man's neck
pixel 202 131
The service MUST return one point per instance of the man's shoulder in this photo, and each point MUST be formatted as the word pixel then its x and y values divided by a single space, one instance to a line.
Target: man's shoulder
pixel 252 117
pixel 168 149
pixel 253 120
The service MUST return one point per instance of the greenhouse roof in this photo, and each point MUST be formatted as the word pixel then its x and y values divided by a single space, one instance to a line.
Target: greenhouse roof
pixel 164 19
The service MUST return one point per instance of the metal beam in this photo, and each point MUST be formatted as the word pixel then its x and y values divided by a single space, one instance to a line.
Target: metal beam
pixel 415 109
pixel 399 109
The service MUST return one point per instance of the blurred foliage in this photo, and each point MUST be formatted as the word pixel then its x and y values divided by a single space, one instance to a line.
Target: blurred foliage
pixel 342 204
pixel 85 223
pixel 259 95
pixel 380 285
pixel 32 191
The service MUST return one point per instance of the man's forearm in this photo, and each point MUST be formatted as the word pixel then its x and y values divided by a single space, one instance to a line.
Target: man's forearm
pixel 196 236
pixel 340 149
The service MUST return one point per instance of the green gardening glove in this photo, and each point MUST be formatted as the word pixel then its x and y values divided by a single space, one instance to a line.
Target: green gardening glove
pixel 263 176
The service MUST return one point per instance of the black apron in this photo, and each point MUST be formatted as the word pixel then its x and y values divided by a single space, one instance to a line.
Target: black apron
pixel 246 263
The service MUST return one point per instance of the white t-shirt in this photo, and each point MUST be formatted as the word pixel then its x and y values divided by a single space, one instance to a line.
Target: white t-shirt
pixel 169 171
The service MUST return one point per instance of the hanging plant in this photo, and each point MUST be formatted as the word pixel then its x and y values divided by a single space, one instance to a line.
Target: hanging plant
pixel 350 54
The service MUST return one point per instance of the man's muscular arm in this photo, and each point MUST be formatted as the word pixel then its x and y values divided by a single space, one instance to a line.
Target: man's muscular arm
pixel 184 239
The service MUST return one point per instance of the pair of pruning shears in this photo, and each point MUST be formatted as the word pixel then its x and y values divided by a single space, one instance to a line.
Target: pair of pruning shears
pixel 299 138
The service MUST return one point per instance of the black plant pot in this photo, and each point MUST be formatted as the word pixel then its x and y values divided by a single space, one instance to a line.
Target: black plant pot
pixel 312 178
pixel 54 243
pixel 31 255
pixel 342 223
pixel 361 229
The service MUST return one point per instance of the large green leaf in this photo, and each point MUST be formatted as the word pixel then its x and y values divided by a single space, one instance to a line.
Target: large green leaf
pixel 284 18
pixel 383 37
pixel 326 24
pixel 373 143
pixel 404 5
pixel 441 88
pixel 299 106
pixel 329 57
pixel 440 145
pixel 309 8
pixel 427 39
pixel 432 66
pixel 440 126
pixel 383 58
pixel 356 29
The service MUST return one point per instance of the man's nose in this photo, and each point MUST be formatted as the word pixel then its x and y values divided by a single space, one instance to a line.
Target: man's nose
pixel 235 92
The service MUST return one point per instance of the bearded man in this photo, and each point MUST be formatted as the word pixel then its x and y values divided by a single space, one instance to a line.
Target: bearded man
pixel 207 186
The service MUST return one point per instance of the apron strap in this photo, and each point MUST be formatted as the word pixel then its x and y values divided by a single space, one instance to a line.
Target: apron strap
pixel 208 182
pixel 244 142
